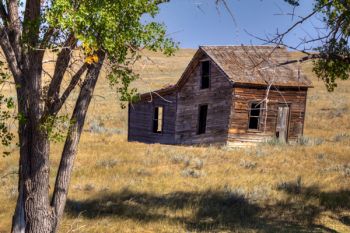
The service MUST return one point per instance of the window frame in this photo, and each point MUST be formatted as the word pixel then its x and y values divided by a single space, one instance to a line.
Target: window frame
pixel 199 119
pixel 201 74
pixel 261 104
pixel 156 120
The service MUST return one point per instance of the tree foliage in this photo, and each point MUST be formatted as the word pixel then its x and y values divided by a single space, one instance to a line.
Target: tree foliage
pixel 333 59
pixel 86 36
pixel 6 106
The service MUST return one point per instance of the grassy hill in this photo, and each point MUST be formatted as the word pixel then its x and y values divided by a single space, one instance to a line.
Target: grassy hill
pixel 119 186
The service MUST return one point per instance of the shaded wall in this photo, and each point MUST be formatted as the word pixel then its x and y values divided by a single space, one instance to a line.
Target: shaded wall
pixel 140 122
pixel 218 98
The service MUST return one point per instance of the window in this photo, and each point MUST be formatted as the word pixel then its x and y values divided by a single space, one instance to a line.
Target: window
pixel 202 119
pixel 254 116
pixel 205 74
pixel 158 120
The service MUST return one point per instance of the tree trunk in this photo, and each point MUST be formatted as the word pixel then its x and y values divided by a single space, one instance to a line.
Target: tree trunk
pixel 70 148
pixel 33 212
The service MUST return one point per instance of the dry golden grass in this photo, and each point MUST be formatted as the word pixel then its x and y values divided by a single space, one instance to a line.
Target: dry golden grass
pixel 119 186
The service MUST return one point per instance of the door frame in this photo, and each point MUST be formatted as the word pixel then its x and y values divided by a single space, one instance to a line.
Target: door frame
pixel 289 105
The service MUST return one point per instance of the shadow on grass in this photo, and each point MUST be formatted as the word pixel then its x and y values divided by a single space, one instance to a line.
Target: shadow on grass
pixel 215 211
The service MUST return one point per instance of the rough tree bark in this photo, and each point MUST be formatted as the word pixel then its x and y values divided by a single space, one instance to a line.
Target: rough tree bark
pixel 25 34
pixel 34 211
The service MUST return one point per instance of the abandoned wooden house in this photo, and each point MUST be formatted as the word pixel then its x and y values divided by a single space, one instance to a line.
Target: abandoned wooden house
pixel 226 95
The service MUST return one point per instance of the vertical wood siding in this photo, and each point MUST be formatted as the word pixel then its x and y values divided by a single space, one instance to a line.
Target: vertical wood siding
pixel 218 97
pixel 141 120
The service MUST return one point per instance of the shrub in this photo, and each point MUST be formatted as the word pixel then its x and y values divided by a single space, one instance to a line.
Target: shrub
pixel 247 164
pixel 343 169
pixel 273 141
pixel 188 172
pixel 341 137
pixel 303 140
pixel 97 127
pixel 89 187
pixel 143 172
pixel 197 163
pixel 178 158
pixel 307 141
pixel 291 187
pixel 109 163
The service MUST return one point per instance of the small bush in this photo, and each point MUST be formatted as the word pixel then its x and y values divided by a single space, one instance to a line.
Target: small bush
pixel 341 137
pixel 321 156
pixel 307 141
pixel 178 158
pixel 291 187
pixel 303 140
pixel 188 172
pixel 273 141
pixel 109 163
pixel 247 164
pixel 97 127
pixel 343 169
pixel 346 170
pixel 197 163
pixel 259 193
pixel 89 187
pixel 238 193
pixel 143 172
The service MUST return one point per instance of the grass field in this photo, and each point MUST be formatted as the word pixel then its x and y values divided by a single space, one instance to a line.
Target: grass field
pixel 119 186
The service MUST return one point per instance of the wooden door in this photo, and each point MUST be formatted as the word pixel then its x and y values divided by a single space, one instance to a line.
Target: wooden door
pixel 282 123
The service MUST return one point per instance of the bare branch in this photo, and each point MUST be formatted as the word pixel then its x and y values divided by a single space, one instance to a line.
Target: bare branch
pixel 10 55
pixel 14 28
pixel 62 64
pixel 73 83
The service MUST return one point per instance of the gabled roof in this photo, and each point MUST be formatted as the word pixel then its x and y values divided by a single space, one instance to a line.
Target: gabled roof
pixel 250 65
pixel 259 65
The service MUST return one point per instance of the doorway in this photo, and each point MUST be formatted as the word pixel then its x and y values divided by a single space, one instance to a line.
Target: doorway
pixel 282 123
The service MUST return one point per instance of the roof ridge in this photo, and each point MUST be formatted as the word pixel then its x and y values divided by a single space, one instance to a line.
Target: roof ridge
pixel 242 45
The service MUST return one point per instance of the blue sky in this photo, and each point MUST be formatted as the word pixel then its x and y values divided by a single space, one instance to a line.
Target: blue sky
pixel 200 22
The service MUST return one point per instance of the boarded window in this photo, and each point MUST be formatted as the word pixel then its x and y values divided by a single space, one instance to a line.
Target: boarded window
pixel 202 119
pixel 254 115
pixel 205 74
pixel 158 120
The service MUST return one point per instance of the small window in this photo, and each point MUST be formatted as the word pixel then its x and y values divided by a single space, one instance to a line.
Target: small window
pixel 254 116
pixel 205 74
pixel 202 119
pixel 158 120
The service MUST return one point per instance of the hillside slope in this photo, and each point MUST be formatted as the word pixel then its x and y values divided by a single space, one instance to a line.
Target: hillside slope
pixel 133 187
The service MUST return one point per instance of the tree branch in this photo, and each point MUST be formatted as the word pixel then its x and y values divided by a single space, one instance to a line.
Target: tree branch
pixel 62 64
pixel 31 23
pixel 56 106
pixel 10 55
pixel 14 28
pixel 47 38
pixel 70 148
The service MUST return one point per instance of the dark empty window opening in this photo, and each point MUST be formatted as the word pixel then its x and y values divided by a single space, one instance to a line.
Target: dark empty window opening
pixel 254 116
pixel 202 119
pixel 158 120
pixel 205 74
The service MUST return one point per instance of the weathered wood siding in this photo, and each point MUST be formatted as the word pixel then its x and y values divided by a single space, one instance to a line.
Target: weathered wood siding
pixel 218 98
pixel 243 96
pixel 140 122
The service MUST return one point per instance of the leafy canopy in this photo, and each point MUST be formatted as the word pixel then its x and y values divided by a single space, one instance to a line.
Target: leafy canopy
pixel 93 26
pixel 114 27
